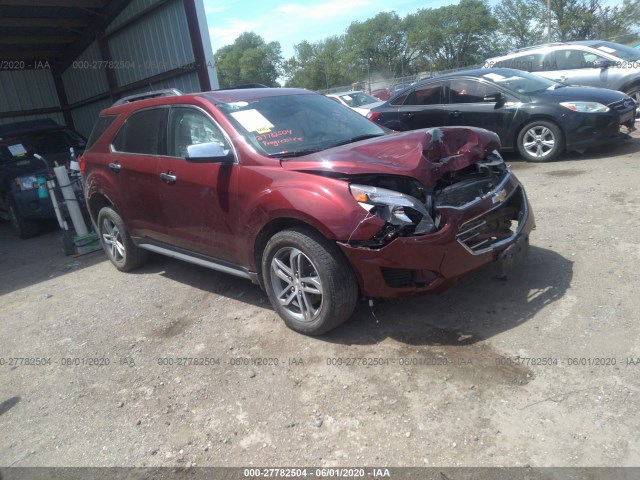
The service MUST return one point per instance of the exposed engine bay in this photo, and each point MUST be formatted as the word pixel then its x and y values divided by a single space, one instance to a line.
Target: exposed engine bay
pixel 410 208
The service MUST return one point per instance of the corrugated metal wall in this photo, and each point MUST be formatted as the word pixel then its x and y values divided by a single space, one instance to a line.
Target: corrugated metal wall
pixel 141 47
pixel 155 44
pixel 27 90
pixel 82 80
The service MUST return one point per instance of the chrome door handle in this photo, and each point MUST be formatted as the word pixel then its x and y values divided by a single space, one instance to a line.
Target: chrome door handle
pixel 407 115
pixel 168 178
pixel 455 114
pixel 116 167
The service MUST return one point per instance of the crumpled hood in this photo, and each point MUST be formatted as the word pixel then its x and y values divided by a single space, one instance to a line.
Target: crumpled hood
pixel 422 154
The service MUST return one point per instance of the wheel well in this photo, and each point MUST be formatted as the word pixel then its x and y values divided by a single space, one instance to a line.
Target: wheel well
pixel 96 203
pixel 630 85
pixel 268 231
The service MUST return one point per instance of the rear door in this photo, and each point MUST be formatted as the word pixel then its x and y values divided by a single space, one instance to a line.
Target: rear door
pixel 423 107
pixel 196 199
pixel 133 165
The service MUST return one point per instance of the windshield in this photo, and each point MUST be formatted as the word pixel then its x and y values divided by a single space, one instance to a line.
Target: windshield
pixel 617 50
pixel 357 99
pixel 521 82
pixel 295 125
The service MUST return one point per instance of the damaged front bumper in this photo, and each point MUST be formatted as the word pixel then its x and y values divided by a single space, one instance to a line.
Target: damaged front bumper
pixel 473 235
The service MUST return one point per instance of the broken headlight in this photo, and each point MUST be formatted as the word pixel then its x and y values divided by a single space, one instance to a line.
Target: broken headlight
pixel 394 207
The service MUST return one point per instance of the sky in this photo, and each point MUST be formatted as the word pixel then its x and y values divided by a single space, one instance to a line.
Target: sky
pixel 292 21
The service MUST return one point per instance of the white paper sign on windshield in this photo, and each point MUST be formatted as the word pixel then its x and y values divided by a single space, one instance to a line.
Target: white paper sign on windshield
pixel 252 120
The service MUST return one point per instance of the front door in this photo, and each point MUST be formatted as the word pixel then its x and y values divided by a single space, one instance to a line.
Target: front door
pixel 466 106
pixel 197 202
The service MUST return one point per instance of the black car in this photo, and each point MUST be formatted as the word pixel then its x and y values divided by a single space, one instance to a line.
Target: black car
pixel 539 117
pixel 28 152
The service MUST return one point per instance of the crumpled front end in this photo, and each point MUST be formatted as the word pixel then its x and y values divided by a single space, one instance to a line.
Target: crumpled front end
pixel 432 235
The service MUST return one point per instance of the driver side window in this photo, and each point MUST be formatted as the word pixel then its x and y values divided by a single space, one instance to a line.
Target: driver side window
pixel 468 91
pixel 188 126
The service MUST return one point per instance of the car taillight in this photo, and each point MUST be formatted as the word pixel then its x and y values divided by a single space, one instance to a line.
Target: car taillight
pixel 373 115
pixel 81 163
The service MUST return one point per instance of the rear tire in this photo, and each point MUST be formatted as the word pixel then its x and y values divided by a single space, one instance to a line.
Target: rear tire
pixel 540 141
pixel 308 281
pixel 117 243
pixel 24 228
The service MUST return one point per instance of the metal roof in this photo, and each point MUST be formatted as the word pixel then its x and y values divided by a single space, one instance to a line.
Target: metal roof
pixel 53 31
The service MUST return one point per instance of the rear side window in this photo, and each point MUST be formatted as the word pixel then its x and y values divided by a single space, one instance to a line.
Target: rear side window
pixel 142 133
pixel 531 62
pixel 99 128
pixel 427 95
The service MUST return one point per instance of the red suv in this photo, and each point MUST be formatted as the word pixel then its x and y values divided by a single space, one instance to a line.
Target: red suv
pixel 301 195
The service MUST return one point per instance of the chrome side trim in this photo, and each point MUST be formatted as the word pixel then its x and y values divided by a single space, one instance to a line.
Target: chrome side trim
pixel 197 261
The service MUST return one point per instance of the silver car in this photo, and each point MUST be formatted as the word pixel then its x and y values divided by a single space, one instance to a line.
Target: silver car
pixel 593 63
pixel 361 102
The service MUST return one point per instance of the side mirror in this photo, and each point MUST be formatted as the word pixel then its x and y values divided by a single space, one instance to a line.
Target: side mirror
pixel 210 152
pixel 496 97
pixel 602 63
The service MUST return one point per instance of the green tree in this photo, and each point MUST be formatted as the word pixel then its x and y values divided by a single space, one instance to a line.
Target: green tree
pixel 521 23
pixel 378 44
pixel 591 19
pixel 318 65
pixel 454 36
pixel 249 60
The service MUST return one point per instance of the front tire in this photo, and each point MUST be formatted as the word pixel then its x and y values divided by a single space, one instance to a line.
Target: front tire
pixel 117 243
pixel 634 92
pixel 540 141
pixel 308 281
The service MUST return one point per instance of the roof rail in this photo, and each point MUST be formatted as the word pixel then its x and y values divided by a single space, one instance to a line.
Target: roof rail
pixel 552 44
pixel 245 85
pixel 167 92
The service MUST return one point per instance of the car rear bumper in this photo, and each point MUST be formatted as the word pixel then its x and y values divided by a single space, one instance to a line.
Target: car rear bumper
pixel 431 263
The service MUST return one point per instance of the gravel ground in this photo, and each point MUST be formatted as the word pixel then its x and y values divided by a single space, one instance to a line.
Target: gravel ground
pixel 539 370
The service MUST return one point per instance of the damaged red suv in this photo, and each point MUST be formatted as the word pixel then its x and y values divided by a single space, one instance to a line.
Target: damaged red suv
pixel 301 195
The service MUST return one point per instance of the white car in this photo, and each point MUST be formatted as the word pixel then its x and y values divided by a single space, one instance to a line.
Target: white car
pixel 359 101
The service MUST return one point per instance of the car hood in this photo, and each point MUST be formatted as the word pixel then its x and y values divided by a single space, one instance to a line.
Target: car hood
pixel 425 155
pixel 27 165
pixel 581 94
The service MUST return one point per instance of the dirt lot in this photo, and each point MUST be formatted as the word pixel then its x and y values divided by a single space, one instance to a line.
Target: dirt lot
pixel 539 370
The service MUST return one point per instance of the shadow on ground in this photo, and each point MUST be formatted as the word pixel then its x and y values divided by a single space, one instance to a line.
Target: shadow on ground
pixel 38 259
pixel 477 308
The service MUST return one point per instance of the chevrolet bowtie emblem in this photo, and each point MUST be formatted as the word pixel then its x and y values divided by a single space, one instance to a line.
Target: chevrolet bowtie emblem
pixel 500 197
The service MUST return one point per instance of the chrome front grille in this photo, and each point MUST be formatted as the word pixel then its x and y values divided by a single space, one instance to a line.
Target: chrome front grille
pixel 495 227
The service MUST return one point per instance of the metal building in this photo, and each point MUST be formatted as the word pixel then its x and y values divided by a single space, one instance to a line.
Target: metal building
pixel 69 59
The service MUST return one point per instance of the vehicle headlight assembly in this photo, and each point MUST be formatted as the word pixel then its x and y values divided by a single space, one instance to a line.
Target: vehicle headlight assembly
pixel 392 207
pixel 28 182
pixel 585 107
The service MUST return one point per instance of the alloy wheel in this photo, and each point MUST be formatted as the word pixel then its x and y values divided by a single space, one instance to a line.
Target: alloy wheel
pixel 539 141
pixel 112 239
pixel 296 284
